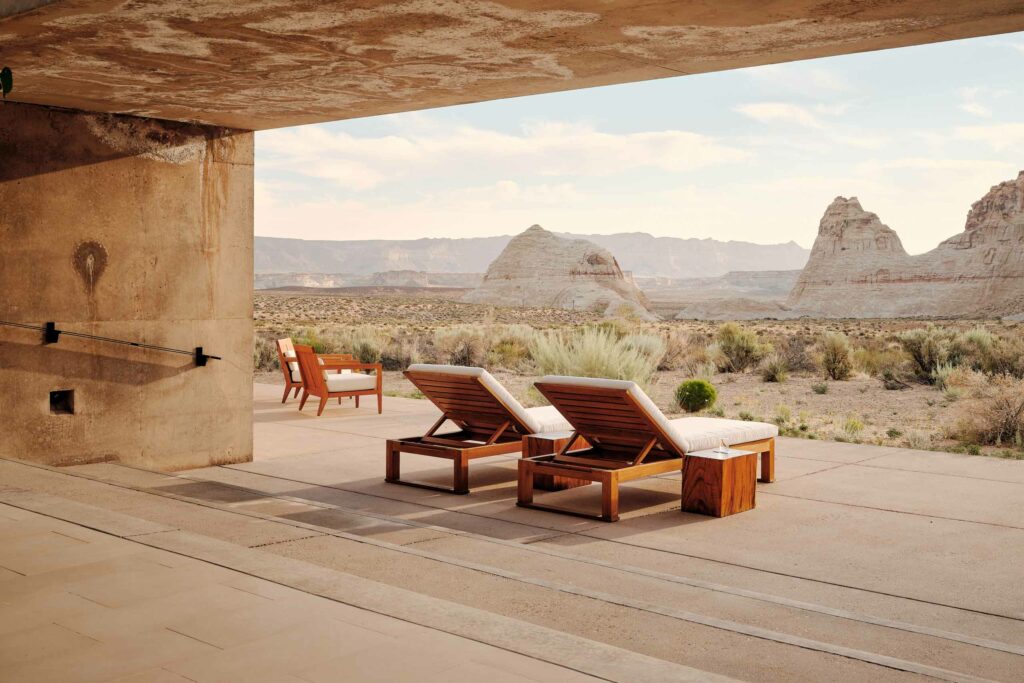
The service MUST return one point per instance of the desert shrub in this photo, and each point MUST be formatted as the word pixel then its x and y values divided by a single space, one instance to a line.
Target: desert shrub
pixel 820 387
pixel 893 433
pixel 735 348
pixel 365 343
pixel 460 345
pixel 983 351
pixel 510 346
pixel 399 354
pixel 315 339
pixel 992 412
pixel 774 368
pixel 747 416
pixel 928 348
pixel 264 355
pixel 696 394
pixel 794 351
pixel 835 356
pixel 875 360
pixel 652 346
pixel 892 382
pixel 616 327
pixel 853 427
pixel 591 352
pixel 941 374
pixel 677 350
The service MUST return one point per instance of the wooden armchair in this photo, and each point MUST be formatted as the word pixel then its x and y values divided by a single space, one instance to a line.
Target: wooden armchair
pixel 316 382
pixel 289 366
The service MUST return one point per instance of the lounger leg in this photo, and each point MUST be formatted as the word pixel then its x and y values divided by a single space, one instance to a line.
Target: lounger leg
pixel 297 391
pixel 768 464
pixel 393 468
pixel 525 488
pixel 461 479
pixel 323 404
pixel 339 400
pixel 380 403
pixel 287 390
pixel 610 497
pixel 357 401
pixel 305 395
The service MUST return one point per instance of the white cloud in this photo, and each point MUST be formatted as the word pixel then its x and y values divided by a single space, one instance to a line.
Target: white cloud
pixel 784 112
pixel 971 104
pixel 998 136
pixel 547 149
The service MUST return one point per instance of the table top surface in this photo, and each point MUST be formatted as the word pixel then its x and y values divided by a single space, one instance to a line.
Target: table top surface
pixel 716 454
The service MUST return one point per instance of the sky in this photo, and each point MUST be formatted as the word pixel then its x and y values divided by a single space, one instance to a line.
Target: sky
pixel 757 154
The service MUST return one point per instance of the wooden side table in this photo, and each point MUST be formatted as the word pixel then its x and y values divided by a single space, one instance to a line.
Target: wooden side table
pixel 719 484
pixel 549 444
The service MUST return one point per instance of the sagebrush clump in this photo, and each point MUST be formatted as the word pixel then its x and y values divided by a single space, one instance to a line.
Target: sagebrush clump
pixel 592 352
pixel 735 348
pixel 836 356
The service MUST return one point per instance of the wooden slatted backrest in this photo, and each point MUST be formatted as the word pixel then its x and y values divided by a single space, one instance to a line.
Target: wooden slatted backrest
pixel 311 370
pixel 609 418
pixel 285 355
pixel 466 401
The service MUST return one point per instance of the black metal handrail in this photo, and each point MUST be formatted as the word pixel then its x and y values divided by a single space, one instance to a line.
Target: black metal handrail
pixel 51 334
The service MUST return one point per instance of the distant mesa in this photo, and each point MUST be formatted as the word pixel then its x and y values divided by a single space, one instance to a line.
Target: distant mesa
pixel 859 268
pixel 539 269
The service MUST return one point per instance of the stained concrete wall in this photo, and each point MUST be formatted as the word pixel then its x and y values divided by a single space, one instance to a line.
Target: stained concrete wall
pixel 135 229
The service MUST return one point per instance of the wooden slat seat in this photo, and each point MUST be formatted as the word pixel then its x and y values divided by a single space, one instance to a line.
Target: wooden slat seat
pixel 629 438
pixel 488 421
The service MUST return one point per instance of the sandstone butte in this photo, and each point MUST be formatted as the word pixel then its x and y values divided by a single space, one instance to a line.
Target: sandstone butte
pixel 540 269
pixel 858 267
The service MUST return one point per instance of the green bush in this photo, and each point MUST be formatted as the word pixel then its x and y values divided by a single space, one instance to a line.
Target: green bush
pixel 735 348
pixel 510 346
pixel 591 352
pixel 696 394
pixel 820 387
pixel 836 356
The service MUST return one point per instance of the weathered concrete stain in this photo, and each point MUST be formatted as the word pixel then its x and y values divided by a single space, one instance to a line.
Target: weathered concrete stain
pixel 270 63
pixel 90 260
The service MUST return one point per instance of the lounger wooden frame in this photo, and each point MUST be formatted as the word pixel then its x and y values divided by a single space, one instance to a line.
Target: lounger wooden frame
pixel 485 427
pixel 314 383
pixel 626 444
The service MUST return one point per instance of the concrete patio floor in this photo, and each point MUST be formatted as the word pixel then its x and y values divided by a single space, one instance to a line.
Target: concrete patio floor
pixel 859 563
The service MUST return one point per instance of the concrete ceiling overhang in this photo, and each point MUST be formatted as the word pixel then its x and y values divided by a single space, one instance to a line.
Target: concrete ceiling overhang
pixel 260 64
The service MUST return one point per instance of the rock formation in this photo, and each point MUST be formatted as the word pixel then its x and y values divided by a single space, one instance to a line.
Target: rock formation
pixel 858 267
pixel 638 252
pixel 541 269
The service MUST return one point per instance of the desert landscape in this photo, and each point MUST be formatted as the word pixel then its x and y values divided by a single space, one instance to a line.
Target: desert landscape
pixel 863 343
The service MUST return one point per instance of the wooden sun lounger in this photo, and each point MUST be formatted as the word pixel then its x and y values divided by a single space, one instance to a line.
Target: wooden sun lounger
pixel 628 435
pixel 488 421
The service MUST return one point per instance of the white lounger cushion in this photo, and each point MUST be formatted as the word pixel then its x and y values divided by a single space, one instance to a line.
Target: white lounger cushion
pixel 352 381
pixel 702 433
pixel 687 433
pixel 542 420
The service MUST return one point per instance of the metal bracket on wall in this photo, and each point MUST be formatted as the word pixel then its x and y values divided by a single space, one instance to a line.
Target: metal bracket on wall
pixel 51 334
